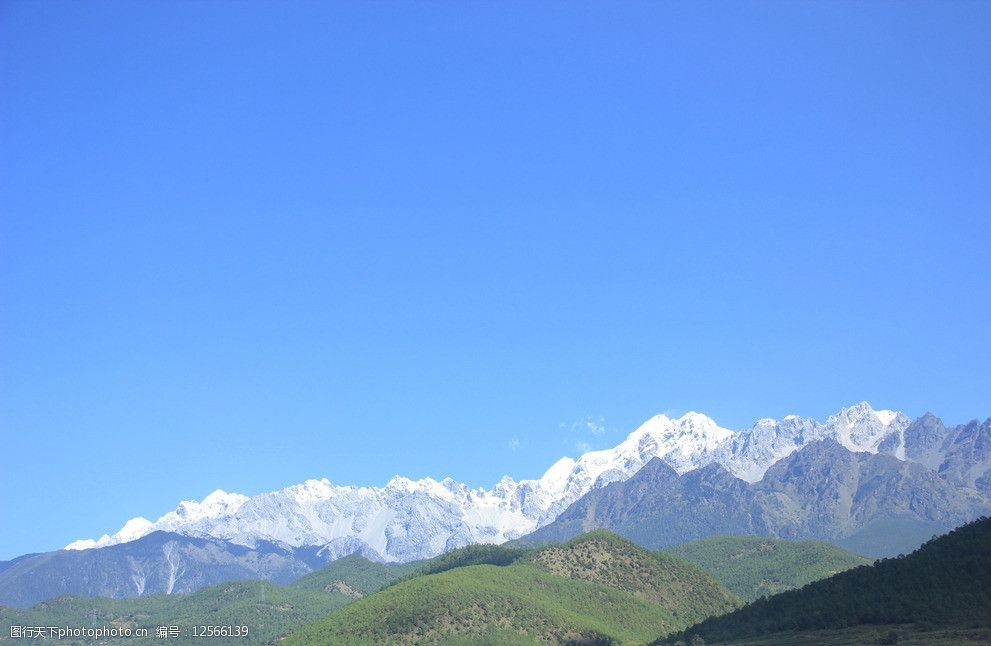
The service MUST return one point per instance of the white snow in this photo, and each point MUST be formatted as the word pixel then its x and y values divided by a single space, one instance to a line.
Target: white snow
pixel 886 416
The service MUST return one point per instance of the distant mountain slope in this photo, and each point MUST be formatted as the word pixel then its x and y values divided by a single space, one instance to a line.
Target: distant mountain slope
pixel 967 455
pixel 885 537
pixel 159 563
pixel 593 589
pixel 267 610
pixel 945 582
pixel 822 491
pixel 752 567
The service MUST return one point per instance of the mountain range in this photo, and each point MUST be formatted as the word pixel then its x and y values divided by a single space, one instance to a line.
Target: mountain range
pixel 414 519
pixel 850 480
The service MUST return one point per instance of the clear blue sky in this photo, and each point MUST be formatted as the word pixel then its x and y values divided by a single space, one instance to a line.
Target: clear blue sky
pixel 245 244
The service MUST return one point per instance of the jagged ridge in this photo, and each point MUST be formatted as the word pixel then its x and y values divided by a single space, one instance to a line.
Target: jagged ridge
pixel 408 520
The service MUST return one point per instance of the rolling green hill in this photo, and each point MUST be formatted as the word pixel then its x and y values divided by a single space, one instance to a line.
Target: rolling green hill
pixel 946 582
pixel 597 588
pixel 356 573
pixel 753 567
pixel 603 557
pixel 463 557
pixel 267 610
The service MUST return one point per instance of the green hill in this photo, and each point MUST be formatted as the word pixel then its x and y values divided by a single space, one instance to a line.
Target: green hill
pixel 753 567
pixel 354 573
pixel 603 557
pixel 946 582
pixel 463 557
pixel 266 609
pixel 597 588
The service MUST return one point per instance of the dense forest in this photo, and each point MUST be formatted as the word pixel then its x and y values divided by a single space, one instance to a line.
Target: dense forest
pixel 947 581
pixel 756 566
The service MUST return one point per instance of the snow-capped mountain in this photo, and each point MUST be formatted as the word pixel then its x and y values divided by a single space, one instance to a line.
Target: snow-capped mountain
pixel 411 519
pixel 407 519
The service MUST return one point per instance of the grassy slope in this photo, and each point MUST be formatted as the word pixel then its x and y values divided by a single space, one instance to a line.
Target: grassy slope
pixel 595 587
pixel 753 567
pixel 946 582
pixel 268 610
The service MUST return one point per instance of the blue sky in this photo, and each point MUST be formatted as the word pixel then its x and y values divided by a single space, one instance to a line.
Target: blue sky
pixel 245 244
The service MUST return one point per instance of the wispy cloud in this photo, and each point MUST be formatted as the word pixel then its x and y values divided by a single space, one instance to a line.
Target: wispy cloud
pixel 596 426
pixel 592 424
pixel 514 444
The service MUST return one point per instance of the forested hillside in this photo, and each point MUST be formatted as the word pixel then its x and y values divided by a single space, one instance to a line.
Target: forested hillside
pixel 945 582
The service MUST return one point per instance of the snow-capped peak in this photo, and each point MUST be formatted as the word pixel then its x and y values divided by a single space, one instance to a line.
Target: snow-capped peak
pixel 218 503
pixel 685 443
pixel 311 490
pixel 886 416
pixel 697 422
pixel 132 530
pixel 864 411
pixel 861 428
pixel 558 472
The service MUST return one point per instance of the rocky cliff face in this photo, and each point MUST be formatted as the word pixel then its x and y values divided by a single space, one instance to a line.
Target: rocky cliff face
pixel 822 491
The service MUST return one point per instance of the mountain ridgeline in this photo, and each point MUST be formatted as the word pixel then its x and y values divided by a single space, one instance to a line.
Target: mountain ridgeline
pixel 945 582
pixel 409 520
